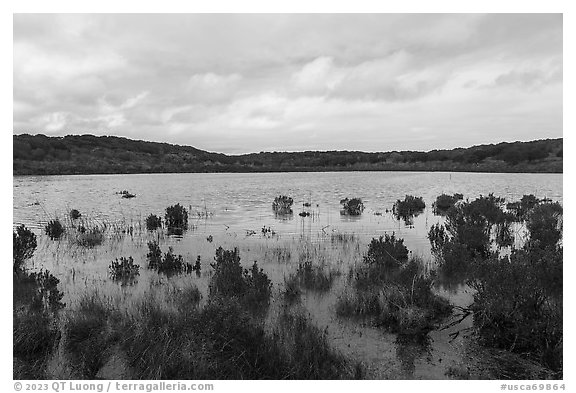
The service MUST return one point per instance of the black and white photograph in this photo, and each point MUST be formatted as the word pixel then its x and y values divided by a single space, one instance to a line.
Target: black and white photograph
pixel 287 196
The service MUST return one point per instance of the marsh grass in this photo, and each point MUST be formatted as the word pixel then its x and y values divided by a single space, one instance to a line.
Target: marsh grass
pixel 342 238
pixel 221 340
pixel 88 336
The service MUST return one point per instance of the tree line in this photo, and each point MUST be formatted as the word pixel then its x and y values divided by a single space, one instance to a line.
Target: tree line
pixel 89 154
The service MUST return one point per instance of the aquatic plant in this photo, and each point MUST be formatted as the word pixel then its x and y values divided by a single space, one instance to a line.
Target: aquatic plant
pixel 176 218
pixel 153 222
pixel 282 204
pixel 23 246
pixel 54 229
pixel 124 270
pixel 352 207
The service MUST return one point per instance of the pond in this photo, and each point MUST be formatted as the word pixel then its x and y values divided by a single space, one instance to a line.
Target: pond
pixel 235 210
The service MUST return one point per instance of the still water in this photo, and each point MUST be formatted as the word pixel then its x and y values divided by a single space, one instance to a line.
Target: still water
pixel 230 210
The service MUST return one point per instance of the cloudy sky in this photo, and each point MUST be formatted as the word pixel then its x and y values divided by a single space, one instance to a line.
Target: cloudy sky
pixel 247 83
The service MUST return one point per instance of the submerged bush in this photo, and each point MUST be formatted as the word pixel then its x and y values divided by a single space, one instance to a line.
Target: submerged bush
pixel 153 222
pixel 282 204
pixel 75 214
pixel 169 264
pixel 386 251
pixel 154 255
pixel 54 229
pixel 391 290
pixel 91 237
pixel 400 301
pixel 231 280
pixel 23 246
pixel 124 270
pixel 352 207
pixel 521 208
pixel 176 218
pixel 409 207
pixel 445 202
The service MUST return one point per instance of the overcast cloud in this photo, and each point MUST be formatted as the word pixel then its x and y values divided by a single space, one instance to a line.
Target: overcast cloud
pixel 246 83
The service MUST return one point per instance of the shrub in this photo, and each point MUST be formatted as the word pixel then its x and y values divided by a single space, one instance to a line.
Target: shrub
pixel 124 270
pixel 75 214
pixel 174 264
pixel 521 208
pixel 36 301
pixel 445 202
pixel 229 280
pixel 386 251
pixel 197 266
pixel 545 224
pixel 23 246
pixel 411 206
pixel 169 264
pixel 391 290
pixel 153 222
pixel 352 207
pixel 518 304
pixel 282 204
pixel 176 218
pixel 292 290
pixel 54 229
pixel 90 238
pixel 154 255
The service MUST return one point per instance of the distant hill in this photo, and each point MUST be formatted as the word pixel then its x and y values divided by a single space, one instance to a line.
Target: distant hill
pixel 88 154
